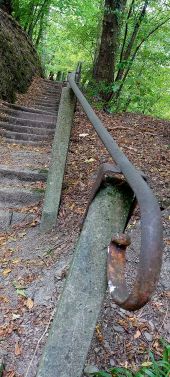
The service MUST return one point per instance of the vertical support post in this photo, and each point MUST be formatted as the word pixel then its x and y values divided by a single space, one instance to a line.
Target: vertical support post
pixel 59 155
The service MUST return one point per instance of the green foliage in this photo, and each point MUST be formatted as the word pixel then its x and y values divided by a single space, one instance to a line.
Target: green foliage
pixel 70 36
pixel 143 24
pixel 146 88
pixel 67 31
pixel 32 16
pixel 154 368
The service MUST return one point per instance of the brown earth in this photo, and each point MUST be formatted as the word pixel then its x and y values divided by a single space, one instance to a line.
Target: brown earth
pixel 19 61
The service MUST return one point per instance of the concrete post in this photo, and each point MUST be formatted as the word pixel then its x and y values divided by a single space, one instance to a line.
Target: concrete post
pixel 59 155
pixel 80 303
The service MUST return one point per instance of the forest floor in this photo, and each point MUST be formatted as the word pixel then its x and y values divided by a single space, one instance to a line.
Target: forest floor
pixel 35 266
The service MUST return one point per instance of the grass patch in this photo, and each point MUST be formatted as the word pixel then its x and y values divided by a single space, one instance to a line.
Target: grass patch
pixel 152 368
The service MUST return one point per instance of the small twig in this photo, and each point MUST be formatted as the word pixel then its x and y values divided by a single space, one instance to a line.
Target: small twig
pixel 130 148
pixel 121 128
pixel 36 348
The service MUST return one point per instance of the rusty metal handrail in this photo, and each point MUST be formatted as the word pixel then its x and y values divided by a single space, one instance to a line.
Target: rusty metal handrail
pixel 151 228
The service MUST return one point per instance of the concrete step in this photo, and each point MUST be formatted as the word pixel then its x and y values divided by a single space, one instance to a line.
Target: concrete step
pixel 45 108
pixel 22 109
pixel 53 85
pixel 48 98
pixel 27 122
pixel 18 197
pixel 10 218
pixel 45 98
pixel 48 106
pixel 51 82
pixel 36 115
pixel 47 103
pixel 24 136
pixel 52 92
pixel 51 96
pixel 23 174
pixel 27 142
pixel 52 88
pixel 25 129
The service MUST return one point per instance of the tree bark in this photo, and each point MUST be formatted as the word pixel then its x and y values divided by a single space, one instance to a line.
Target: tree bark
pixel 104 66
pixel 6 6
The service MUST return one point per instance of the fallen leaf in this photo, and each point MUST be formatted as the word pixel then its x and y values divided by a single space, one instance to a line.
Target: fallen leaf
pixel 18 349
pixel 12 239
pixel 34 223
pixel 29 303
pixel 137 334
pixel 10 374
pixel 98 333
pixel 72 206
pixel 22 234
pixel 16 261
pixel 147 364
pixel 15 316
pixel 17 285
pixel 21 292
pixel 6 271
pixel 90 160
pixel 83 135
pixel 4 299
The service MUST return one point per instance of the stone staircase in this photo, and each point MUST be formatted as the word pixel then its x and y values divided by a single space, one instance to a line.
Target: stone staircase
pixel 22 181
pixel 32 125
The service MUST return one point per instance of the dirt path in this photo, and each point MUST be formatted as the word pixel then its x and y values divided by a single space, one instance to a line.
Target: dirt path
pixel 34 266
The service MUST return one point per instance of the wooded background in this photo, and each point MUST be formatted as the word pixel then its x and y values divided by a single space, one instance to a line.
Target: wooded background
pixel 123 44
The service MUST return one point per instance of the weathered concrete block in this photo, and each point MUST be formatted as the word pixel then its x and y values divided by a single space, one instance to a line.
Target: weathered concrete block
pixel 80 303
pixel 59 155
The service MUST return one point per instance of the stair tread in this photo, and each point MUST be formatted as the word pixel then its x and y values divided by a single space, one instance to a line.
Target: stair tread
pixel 29 110
pixel 27 122
pixel 23 174
pixel 32 125
pixel 26 129
pixel 26 142
pixel 18 196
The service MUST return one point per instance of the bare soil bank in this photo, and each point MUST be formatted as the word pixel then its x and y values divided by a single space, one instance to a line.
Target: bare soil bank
pixel 19 61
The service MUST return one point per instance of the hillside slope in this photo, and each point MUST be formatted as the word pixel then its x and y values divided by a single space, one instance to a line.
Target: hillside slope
pixel 19 61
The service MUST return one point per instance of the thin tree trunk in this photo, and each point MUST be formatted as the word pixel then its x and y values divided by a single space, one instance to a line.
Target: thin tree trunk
pixel 116 95
pixel 40 31
pixel 30 15
pixel 126 54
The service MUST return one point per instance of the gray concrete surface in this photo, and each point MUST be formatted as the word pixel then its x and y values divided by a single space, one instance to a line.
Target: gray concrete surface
pixel 80 303
pixel 59 155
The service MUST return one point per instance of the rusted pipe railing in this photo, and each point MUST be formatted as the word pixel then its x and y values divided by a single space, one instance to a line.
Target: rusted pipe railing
pixel 151 229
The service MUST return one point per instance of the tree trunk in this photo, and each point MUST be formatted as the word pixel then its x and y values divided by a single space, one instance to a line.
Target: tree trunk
pixel 104 66
pixel 6 6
